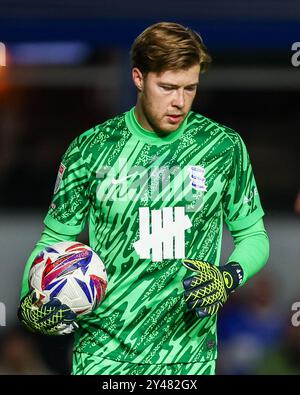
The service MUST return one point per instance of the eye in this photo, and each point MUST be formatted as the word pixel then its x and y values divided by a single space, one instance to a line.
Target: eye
pixel 167 88
pixel 191 88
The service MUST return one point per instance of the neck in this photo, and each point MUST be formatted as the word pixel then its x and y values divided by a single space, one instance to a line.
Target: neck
pixel 140 117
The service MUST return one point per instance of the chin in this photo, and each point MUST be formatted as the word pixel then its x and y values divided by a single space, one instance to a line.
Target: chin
pixel 165 130
pixel 168 128
pixel 172 128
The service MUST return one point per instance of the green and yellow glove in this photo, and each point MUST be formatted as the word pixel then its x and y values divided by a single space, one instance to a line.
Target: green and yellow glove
pixel 208 289
pixel 52 318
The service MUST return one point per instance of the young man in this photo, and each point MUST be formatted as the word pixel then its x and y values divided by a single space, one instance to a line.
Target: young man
pixel 156 184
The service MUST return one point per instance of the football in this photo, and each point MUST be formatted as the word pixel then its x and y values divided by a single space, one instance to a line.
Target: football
pixel 71 272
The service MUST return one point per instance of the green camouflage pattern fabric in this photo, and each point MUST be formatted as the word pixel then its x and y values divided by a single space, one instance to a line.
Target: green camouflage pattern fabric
pixel 86 364
pixel 151 201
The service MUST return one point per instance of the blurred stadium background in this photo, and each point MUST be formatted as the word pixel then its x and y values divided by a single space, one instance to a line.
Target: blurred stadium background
pixel 68 68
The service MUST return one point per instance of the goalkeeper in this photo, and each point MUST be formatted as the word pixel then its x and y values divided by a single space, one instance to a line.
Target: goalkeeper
pixel 156 185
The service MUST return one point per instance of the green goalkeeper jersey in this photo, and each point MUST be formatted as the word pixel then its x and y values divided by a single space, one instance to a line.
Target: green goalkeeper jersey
pixel 151 201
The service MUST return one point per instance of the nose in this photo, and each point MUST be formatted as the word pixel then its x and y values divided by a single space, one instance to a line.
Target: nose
pixel 178 99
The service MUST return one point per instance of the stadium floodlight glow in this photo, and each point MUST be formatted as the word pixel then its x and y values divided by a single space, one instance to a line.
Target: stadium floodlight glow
pixel 2 54
pixel 2 314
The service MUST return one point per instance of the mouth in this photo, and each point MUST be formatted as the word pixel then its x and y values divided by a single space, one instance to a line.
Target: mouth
pixel 174 118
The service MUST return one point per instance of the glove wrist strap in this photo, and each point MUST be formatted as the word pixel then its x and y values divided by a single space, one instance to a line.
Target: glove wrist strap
pixel 233 275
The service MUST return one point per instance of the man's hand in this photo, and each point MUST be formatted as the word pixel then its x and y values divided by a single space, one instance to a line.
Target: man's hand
pixel 208 289
pixel 52 318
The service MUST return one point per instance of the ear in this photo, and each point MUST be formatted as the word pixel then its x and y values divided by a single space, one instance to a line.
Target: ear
pixel 138 78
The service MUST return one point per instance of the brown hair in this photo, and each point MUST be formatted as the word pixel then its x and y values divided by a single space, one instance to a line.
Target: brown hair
pixel 168 46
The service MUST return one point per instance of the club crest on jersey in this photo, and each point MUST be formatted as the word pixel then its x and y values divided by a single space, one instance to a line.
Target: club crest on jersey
pixel 59 178
pixel 197 178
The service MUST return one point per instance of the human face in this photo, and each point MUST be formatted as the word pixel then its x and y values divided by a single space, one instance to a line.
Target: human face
pixel 165 99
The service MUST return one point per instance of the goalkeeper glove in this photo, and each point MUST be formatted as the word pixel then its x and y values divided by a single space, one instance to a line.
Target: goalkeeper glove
pixel 208 289
pixel 52 318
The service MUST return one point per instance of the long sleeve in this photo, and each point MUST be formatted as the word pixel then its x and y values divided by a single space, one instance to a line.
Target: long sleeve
pixel 48 237
pixel 251 249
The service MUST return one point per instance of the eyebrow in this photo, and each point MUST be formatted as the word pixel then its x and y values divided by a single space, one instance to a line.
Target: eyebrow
pixel 178 86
